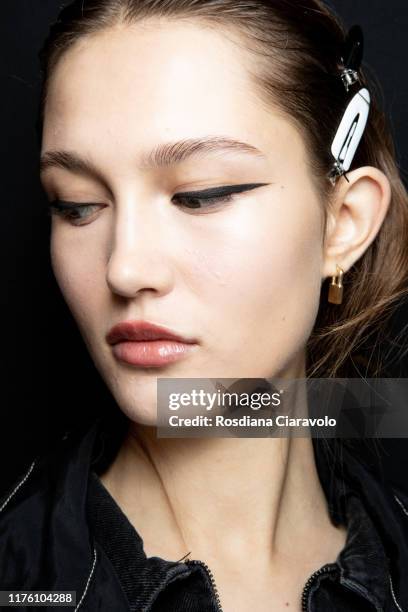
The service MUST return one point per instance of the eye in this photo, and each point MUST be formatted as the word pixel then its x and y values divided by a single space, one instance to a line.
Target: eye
pixel 77 214
pixel 209 198
pixel 82 214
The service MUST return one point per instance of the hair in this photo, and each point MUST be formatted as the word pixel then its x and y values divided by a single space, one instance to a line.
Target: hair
pixel 297 47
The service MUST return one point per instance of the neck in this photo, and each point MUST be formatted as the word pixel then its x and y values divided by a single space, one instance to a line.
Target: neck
pixel 226 499
pixel 223 499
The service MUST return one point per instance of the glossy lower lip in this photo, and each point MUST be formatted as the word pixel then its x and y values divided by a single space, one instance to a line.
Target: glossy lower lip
pixel 152 353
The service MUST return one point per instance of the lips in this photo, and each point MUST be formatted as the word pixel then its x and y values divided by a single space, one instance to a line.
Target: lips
pixel 145 344
pixel 137 331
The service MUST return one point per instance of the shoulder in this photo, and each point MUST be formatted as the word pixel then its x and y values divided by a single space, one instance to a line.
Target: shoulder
pixel 342 468
pixel 387 501
pixel 35 483
pixel 43 510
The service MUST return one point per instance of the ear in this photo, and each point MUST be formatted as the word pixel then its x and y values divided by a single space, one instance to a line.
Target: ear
pixel 356 214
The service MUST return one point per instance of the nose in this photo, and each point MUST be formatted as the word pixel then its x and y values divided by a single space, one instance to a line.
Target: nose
pixel 139 257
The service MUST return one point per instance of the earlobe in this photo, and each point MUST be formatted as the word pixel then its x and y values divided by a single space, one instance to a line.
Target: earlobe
pixel 356 217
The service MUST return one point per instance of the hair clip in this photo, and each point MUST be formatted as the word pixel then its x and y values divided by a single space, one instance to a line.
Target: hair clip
pixel 349 133
pixel 352 56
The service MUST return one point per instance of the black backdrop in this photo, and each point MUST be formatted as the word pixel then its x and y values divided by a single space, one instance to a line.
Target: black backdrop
pixel 49 383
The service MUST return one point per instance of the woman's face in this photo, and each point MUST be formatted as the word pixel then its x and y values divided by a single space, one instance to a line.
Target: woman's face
pixel 135 117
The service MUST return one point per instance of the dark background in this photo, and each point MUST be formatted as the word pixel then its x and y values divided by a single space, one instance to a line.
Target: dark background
pixel 49 383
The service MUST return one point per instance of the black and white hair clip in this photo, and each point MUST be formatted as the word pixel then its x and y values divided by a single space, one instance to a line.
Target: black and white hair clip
pixel 354 120
pixel 352 56
pixel 349 133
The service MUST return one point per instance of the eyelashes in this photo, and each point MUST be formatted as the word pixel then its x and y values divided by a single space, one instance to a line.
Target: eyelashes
pixel 82 213
pixel 73 212
pixel 214 195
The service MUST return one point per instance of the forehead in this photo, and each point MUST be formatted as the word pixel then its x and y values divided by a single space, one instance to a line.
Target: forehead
pixel 134 86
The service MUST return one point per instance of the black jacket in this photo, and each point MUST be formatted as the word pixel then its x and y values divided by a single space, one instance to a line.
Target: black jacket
pixel 60 530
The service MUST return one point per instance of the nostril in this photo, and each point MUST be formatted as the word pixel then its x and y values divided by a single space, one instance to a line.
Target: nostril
pixel 127 276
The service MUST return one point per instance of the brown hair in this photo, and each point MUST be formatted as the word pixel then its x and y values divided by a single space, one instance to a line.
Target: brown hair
pixel 297 45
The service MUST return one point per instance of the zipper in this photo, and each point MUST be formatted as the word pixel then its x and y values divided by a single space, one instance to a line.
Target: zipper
pixel 328 568
pixel 211 578
pixel 331 567
pixel 325 569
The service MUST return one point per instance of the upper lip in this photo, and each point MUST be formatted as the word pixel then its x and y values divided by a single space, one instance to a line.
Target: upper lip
pixel 137 331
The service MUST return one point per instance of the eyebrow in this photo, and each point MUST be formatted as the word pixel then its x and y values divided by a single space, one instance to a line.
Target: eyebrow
pixel 166 154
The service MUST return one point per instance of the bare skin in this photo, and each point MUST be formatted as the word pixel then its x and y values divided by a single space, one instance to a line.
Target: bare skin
pixel 252 509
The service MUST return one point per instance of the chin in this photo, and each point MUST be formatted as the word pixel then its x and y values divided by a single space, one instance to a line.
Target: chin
pixel 136 395
pixel 137 410
pixel 146 417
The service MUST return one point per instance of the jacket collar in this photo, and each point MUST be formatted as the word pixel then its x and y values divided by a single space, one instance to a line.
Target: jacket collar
pixel 376 545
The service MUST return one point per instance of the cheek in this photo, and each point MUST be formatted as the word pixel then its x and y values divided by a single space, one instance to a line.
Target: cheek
pixel 77 265
pixel 261 270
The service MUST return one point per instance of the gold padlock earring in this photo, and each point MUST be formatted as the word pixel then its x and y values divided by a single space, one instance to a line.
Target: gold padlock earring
pixel 336 287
